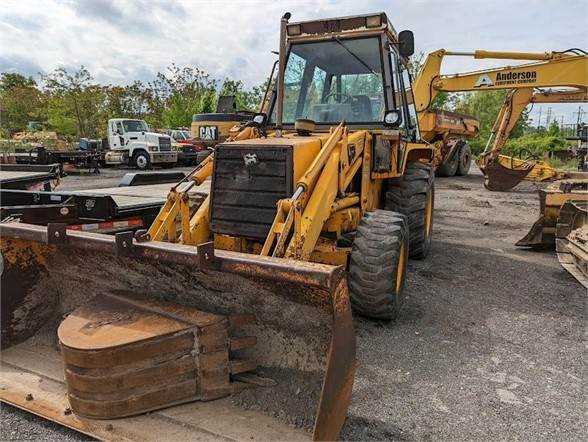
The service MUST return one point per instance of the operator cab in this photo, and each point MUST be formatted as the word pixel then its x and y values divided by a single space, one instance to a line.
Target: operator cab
pixel 349 69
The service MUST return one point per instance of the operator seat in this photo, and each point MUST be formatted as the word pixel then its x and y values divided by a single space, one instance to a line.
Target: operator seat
pixel 362 108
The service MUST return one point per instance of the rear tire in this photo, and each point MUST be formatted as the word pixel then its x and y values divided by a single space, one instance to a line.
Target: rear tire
pixel 414 197
pixel 377 266
pixel 464 160
pixel 449 167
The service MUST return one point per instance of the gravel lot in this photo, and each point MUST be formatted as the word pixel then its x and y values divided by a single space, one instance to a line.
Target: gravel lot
pixel 490 345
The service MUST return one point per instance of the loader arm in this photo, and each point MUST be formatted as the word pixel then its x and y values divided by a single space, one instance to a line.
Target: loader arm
pixel 549 69
pixel 515 103
pixel 299 220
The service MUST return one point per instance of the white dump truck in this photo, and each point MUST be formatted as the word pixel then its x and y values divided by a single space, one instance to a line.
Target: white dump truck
pixel 131 142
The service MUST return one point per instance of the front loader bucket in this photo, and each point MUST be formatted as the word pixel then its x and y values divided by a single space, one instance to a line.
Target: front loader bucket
pixel 500 178
pixel 246 343
pixel 571 243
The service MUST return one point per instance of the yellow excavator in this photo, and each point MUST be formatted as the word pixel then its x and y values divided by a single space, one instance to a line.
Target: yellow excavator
pixel 508 171
pixel 239 295
pixel 526 83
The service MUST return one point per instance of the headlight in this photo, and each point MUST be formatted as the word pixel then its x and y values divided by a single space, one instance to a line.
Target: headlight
pixel 153 147
pixel 373 22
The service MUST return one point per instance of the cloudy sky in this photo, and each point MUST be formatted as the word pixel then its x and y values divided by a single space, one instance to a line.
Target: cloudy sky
pixel 123 40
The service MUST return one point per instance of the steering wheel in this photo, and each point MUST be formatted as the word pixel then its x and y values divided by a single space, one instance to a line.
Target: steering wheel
pixel 348 98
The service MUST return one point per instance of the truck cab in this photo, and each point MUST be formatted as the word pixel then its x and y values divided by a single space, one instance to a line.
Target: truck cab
pixel 131 142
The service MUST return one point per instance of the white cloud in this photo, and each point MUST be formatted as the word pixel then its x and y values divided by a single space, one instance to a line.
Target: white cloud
pixel 123 40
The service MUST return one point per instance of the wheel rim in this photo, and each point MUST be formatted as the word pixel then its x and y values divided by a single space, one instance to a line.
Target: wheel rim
pixel 400 272
pixel 429 215
pixel 141 161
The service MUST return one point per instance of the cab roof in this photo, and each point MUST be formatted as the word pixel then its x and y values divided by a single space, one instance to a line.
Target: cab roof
pixel 342 25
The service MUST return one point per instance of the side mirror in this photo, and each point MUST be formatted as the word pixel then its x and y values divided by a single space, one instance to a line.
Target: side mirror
pixel 392 118
pixel 406 43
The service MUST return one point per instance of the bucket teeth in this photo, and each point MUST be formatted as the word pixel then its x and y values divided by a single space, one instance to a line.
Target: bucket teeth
pixel 242 365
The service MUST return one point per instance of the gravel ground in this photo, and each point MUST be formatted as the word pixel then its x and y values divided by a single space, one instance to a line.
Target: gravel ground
pixel 490 345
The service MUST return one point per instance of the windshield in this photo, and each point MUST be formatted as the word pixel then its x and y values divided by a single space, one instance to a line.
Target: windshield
pixel 135 126
pixel 334 80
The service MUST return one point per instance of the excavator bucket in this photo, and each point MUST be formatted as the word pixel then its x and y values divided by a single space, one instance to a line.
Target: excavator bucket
pixel 552 199
pixel 571 243
pixel 98 329
pixel 500 178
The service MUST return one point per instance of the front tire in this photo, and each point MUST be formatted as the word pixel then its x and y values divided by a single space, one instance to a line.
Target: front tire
pixel 414 197
pixel 377 266
pixel 141 160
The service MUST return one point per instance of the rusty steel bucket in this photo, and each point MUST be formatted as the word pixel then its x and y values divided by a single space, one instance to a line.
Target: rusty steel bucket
pixel 293 382
pixel 571 242
pixel 499 178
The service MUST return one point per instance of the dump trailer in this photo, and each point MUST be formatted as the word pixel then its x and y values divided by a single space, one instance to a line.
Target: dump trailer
pixel 241 301
pixel 449 132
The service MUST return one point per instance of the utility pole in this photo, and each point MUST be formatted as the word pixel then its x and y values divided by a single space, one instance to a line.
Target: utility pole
pixel 548 118
pixel 579 113
pixel 539 119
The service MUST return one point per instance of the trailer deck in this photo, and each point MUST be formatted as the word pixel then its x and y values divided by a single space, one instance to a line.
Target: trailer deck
pixel 84 207
pixel 15 176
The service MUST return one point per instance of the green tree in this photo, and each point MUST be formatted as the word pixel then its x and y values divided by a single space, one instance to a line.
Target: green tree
pixel 75 102
pixel 485 105
pixel 179 93
pixel 20 101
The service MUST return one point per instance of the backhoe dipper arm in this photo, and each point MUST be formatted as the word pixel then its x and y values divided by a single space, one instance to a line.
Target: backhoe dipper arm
pixel 513 106
pixel 550 69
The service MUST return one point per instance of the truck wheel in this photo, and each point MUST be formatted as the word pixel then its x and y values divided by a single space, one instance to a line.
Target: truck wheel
pixel 414 197
pixel 464 160
pixel 449 167
pixel 141 160
pixel 377 266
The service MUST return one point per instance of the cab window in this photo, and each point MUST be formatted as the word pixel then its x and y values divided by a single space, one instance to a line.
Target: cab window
pixel 335 80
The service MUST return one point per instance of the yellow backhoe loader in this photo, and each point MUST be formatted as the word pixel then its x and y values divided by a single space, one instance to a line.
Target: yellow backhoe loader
pixel 548 70
pixel 240 294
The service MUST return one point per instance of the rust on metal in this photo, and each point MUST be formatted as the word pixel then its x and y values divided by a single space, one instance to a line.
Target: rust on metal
pixel 124 243
pixel 499 178
pixel 341 365
pixel 297 330
pixel 537 237
pixel 125 355
pixel 571 243
pixel 56 233
pixel 206 257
